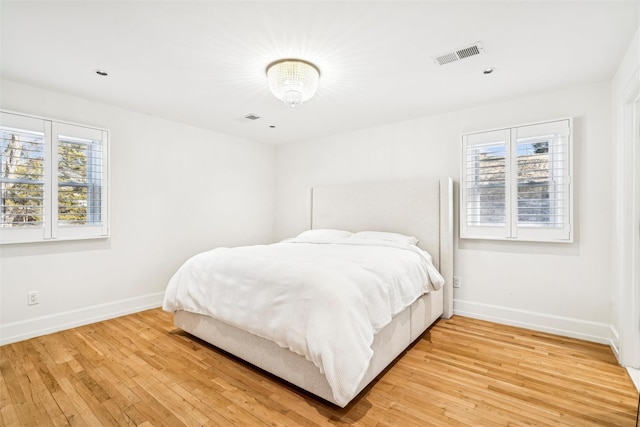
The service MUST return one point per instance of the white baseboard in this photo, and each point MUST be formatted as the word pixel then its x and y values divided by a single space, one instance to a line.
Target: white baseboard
pixel 635 377
pixel 564 326
pixel 614 343
pixel 25 329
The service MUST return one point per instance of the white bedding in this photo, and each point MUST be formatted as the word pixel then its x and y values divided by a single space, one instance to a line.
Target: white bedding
pixel 323 299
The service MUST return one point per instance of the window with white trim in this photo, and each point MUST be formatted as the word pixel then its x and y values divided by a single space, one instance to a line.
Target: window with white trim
pixel 54 180
pixel 516 183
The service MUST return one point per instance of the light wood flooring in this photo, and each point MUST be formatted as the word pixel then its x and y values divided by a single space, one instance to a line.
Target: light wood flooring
pixel 141 370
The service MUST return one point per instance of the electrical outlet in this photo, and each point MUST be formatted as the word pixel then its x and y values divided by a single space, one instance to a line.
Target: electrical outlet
pixel 33 297
pixel 456 282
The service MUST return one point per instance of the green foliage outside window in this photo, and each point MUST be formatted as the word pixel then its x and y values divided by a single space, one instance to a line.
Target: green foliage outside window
pixel 21 183
pixel 72 183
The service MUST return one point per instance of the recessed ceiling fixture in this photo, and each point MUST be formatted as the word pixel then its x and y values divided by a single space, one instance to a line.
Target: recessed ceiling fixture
pixel 102 73
pixel 488 70
pixel 293 81
pixel 252 116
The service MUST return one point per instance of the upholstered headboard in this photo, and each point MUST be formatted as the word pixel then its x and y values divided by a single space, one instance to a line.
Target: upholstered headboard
pixel 423 209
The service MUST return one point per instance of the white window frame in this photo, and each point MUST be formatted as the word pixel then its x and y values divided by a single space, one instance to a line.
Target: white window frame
pixel 510 230
pixel 51 229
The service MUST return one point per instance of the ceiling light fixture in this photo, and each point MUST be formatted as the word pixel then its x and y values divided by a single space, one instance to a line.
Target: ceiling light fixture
pixel 293 81
pixel 102 73
pixel 488 70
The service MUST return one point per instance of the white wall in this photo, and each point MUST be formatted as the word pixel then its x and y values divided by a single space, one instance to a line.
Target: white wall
pixel 175 190
pixel 563 288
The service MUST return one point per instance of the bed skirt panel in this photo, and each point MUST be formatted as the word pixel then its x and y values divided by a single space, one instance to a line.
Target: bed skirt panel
pixel 425 311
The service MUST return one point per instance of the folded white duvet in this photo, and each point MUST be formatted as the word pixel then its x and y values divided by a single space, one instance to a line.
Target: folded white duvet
pixel 324 300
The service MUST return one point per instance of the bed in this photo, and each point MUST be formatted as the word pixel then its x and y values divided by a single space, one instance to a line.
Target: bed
pixel 418 208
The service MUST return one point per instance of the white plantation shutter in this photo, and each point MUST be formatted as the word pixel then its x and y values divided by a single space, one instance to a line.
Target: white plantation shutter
pixel 485 189
pixel 543 182
pixel 516 183
pixel 25 189
pixel 79 196
pixel 53 180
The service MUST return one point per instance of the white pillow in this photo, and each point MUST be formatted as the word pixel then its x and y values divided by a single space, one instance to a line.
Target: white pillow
pixel 324 233
pixel 384 235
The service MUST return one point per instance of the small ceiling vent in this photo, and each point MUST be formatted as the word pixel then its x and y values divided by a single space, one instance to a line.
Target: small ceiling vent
pixel 252 116
pixel 462 53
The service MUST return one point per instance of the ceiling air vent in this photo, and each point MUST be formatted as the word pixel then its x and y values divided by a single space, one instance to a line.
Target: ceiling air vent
pixel 252 116
pixel 462 53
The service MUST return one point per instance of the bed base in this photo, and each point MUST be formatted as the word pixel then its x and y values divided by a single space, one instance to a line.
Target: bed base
pixel 388 344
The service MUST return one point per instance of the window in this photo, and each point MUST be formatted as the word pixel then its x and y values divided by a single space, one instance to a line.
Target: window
pixel 516 183
pixel 53 181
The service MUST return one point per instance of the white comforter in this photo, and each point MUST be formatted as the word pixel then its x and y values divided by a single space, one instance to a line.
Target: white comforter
pixel 324 300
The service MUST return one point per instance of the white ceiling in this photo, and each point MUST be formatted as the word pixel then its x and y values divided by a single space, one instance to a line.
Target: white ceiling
pixel 203 63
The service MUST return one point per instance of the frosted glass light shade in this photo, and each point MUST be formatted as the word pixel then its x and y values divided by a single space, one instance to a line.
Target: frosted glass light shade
pixel 293 81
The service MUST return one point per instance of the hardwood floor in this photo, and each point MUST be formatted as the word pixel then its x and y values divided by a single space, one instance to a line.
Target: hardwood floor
pixel 141 370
